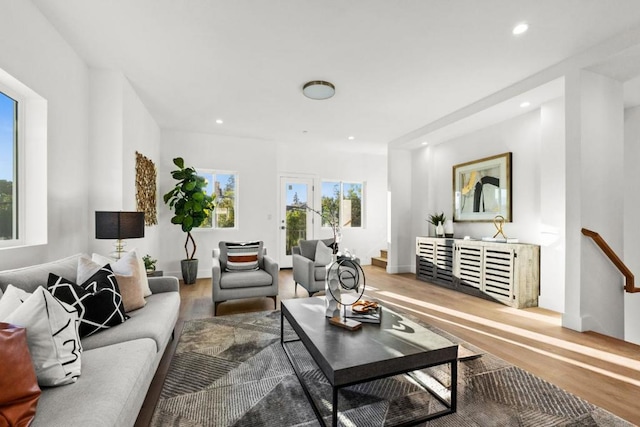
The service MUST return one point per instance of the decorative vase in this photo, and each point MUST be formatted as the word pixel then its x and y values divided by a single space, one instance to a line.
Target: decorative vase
pixel 439 230
pixel 189 271
pixel 332 292
pixel 448 228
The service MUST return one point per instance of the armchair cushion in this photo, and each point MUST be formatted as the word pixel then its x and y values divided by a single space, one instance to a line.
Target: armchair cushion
pixel 248 279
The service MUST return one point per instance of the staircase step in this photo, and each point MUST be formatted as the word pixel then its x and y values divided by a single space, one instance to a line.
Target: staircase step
pixel 383 253
pixel 379 262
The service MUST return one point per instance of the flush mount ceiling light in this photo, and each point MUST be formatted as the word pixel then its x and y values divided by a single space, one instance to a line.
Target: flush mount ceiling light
pixel 318 89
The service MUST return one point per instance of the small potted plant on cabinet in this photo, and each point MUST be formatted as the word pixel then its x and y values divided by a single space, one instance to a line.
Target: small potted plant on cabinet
pixel 438 221
pixel 191 206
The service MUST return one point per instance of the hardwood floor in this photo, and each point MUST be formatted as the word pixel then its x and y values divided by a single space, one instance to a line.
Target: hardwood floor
pixel 602 370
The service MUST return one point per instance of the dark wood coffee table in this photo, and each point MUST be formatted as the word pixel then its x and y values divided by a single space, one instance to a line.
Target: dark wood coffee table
pixel 395 346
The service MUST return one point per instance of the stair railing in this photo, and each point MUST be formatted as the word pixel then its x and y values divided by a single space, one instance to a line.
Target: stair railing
pixel 615 259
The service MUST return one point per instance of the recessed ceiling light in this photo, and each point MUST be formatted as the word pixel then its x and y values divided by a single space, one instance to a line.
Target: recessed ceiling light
pixel 219 121
pixel 525 104
pixel 425 143
pixel 351 138
pixel 520 29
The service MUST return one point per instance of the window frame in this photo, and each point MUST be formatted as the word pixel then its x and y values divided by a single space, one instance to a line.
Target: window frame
pixel 19 169
pixel 214 172
pixel 341 184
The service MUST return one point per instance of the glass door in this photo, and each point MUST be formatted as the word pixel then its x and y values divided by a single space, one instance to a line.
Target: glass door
pixel 296 221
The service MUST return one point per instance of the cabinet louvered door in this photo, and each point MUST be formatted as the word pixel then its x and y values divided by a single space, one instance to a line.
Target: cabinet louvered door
pixel 499 273
pixel 469 266
pixel 426 254
pixel 444 261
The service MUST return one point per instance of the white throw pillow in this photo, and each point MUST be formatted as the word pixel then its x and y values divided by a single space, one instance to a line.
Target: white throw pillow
pixel 323 254
pixel 129 265
pixel 13 298
pixel 87 268
pixel 52 336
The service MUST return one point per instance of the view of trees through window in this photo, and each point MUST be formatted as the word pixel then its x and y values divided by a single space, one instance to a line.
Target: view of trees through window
pixel 8 144
pixel 343 201
pixel 223 185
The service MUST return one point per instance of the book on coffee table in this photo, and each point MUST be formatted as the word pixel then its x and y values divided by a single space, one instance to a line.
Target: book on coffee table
pixel 371 316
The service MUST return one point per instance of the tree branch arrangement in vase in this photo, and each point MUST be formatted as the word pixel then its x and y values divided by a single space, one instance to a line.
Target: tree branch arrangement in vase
pixel 332 220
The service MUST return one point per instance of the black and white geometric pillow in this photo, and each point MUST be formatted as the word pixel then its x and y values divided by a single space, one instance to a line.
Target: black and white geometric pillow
pixel 97 300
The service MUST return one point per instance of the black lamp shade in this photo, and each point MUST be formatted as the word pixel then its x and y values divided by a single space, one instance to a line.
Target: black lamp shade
pixel 119 225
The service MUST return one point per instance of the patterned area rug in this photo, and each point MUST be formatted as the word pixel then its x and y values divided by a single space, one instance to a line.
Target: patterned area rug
pixel 232 371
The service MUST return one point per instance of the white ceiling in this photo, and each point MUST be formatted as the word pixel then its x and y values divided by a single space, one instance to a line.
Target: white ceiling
pixel 396 64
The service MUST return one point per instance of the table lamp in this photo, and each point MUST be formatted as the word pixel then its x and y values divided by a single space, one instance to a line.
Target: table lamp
pixel 119 225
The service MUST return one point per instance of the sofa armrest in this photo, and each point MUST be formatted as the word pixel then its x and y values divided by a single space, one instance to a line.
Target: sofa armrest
pixel 216 270
pixel 164 284
pixel 302 269
pixel 271 267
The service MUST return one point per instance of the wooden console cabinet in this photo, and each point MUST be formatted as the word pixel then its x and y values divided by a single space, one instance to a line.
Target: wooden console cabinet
pixel 504 272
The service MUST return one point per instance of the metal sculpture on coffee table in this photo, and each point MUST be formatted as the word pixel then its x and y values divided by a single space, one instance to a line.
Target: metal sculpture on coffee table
pixel 344 284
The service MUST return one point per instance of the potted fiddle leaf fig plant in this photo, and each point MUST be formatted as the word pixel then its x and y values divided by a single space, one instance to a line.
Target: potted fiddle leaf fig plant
pixel 191 207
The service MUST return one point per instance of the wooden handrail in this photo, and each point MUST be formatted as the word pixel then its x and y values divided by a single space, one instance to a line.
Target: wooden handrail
pixel 615 259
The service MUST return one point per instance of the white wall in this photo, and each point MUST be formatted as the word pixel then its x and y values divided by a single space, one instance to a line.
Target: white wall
pixel 538 217
pixel 259 164
pixel 255 162
pixel 631 229
pixel 401 240
pixel 552 205
pixel 370 168
pixel 596 140
pixel 120 125
pixel 33 52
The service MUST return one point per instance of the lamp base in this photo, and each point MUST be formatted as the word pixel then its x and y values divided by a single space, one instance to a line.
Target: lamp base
pixel 119 249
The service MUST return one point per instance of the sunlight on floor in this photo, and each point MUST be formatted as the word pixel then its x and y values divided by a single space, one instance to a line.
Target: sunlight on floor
pixel 581 349
pixel 552 318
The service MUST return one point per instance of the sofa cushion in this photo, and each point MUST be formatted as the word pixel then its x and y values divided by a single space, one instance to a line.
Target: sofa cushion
pixel 248 279
pixel 98 300
pixel 29 278
pixel 129 265
pixel 110 391
pixel 52 336
pixel 156 321
pixel 131 289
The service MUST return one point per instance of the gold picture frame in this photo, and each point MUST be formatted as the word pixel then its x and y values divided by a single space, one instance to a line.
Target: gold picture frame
pixel 482 189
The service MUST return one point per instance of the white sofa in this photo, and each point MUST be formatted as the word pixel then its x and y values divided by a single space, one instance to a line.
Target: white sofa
pixel 118 364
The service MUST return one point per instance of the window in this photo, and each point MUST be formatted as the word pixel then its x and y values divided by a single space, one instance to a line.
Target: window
pixel 342 200
pixel 224 186
pixel 8 168
pixel 23 147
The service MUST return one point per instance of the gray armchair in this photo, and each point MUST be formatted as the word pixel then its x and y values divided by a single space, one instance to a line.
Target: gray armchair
pixel 305 271
pixel 228 285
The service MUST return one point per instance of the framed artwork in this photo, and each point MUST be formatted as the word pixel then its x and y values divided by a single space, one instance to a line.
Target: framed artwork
pixel 146 188
pixel 482 189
